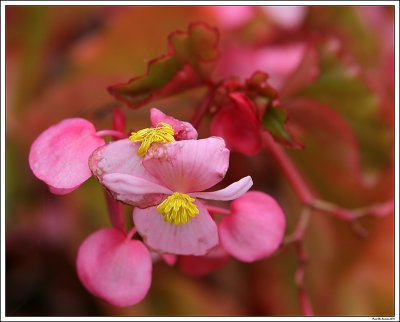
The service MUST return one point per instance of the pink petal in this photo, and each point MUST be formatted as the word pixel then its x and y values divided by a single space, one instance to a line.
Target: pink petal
pixel 255 228
pixel 203 265
pixel 287 16
pixel 110 162
pixel 59 156
pixel 183 130
pixel 194 238
pixel 233 191
pixel 237 122
pixel 118 157
pixel 113 268
pixel 280 61
pixel 233 16
pixel 188 166
pixel 134 190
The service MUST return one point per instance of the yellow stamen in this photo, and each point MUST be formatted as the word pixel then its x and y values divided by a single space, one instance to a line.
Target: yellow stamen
pixel 178 208
pixel 163 133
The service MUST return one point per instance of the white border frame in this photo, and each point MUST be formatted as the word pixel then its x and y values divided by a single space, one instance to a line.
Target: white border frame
pixel 202 3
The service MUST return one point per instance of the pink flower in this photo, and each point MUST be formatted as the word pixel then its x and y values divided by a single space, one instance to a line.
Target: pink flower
pixel 59 156
pixel 288 17
pixel 233 16
pixel 238 122
pixel 166 185
pixel 280 61
pixel 254 229
pixel 114 268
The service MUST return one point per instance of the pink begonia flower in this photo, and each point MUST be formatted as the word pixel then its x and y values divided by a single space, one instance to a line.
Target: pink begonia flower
pixel 288 17
pixel 254 229
pixel 280 61
pixel 203 265
pixel 59 156
pixel 166 177
pixel 238 123
pixel 233 16
pixel 114 267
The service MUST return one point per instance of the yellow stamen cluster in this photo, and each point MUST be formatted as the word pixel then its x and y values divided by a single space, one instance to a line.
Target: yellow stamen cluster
pixel 163 133
pixel 178 208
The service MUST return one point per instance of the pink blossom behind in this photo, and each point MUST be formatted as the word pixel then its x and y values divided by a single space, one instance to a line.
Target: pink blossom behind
pixel 255 228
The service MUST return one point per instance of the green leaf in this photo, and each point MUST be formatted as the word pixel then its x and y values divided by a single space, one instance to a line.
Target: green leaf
pixel 274 121
pixel 265 98
pixel 189 62
pixel 347 93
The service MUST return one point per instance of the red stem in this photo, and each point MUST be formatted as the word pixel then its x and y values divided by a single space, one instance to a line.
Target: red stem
pixel 115 212
pixel 113 133
pixel 115 209
pixel 307 198
pixel 304 299
pixel 290 170
pixel 119 120
pixel 130 234
pixel 202 109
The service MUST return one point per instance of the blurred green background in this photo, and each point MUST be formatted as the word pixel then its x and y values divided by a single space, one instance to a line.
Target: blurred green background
pixel 60 60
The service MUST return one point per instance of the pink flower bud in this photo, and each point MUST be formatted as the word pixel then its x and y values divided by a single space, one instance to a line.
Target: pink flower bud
pixel 114 268
pixel 59 156
pixel 255 228
pixel 237 122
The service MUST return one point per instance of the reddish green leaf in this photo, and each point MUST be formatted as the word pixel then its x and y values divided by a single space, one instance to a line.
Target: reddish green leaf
pixel 348 93
pixel 274 121
pixel 188 63
pixel 275 116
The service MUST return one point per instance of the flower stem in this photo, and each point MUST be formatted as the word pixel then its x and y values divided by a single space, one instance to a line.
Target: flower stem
pixel 376 210
pixel 130 234
pixel 289 169
pixel 218 210
pixel 304 299
pixel 306 197
pixel 115 211
pixel 119 120
pixel 113 133
pixel 310 202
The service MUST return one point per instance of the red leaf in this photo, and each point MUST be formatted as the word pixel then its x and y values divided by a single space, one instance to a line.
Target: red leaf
pixel 188 63
pixel 327 134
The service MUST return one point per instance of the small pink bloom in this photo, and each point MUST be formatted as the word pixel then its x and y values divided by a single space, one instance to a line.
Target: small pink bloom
pixel 183 130
pixel 280 61
pixel 59 156
pixel 238 123
pixel 114 268
pixel 233 16
pixel 203 265
pixel 288 17
pixel 170 175
pixel 255 228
